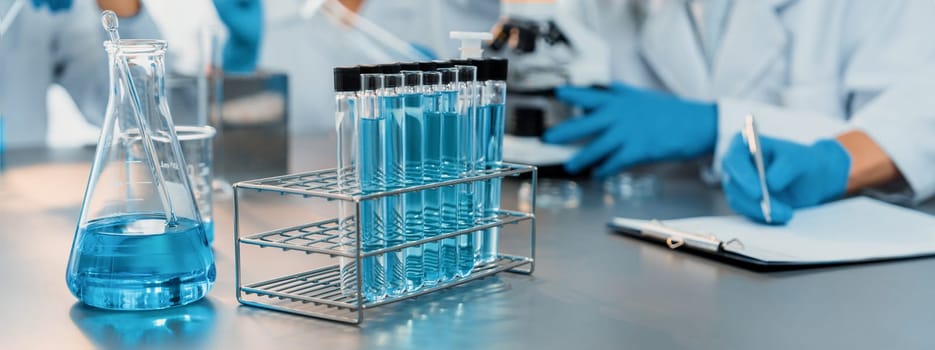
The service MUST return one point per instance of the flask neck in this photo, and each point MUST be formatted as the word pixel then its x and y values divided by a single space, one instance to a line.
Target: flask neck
pixel 142 61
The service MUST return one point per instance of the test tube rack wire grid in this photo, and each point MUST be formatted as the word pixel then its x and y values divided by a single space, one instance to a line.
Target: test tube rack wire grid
pixel 317 293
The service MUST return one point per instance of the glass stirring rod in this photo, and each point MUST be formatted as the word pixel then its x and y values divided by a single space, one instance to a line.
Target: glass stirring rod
pixel 110 23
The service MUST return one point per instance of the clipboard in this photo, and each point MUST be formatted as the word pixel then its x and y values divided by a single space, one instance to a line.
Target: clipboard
pixel 818 240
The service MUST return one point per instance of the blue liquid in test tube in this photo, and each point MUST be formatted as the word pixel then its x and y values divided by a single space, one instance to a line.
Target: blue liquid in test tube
pixel 467 162
pixel 431 146
pixel 489 238
pixel 451 150
pixel 494 96
pixel 413 201
pixel 371 173
pixel 394 152
pixel 481 188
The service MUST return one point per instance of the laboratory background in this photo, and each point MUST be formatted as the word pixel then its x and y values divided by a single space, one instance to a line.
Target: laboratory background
pixel 455 174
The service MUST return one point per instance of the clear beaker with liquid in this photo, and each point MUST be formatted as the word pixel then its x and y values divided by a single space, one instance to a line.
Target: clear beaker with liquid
pixel 140 243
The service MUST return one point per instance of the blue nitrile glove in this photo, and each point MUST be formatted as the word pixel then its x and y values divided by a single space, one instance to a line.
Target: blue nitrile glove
pixel 634 126
pixel 244 21
pixel 54 5
pixel 796 175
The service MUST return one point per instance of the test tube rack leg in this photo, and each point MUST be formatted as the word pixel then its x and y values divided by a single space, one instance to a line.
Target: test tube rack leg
pixel 317 292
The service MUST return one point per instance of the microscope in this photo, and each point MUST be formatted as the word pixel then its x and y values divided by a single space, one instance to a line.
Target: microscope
pixel 548 47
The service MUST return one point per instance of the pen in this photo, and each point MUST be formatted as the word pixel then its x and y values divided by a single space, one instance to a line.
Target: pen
pixel 752 136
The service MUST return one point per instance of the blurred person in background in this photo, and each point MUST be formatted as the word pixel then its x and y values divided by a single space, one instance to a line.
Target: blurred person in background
pixel 835 85
pixel 59 42
pixel 307 38
pixel 838 88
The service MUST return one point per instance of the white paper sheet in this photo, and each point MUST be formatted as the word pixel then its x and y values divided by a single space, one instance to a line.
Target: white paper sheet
pixel 853 229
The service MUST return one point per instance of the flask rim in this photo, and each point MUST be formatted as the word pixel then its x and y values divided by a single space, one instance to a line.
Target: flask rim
pixel 136 46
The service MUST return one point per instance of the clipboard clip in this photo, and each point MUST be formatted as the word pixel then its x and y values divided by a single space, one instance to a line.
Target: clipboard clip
pixel 675 238
pixel 674 242
pixel 672 237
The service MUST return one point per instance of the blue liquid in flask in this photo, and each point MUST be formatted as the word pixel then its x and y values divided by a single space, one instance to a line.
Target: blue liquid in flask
pixel 136 262
pixel 208 226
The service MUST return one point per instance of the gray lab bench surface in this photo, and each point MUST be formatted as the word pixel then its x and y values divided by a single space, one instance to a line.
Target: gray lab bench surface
pixel 591 289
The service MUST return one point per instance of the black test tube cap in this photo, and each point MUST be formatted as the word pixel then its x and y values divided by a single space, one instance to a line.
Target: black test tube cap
pixel 430 79
pixel 390 68
pixel 483 69
pixel 370 69
pixel 448 76
pixel 460 62
pixel 443 64
pixel 409 66
pixel 427 66
pixel 346 79
pixel 466 62
pixel 497 68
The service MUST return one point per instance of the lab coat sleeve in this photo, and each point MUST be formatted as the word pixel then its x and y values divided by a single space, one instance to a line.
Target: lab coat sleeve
pixel 80 59
pixel 902 122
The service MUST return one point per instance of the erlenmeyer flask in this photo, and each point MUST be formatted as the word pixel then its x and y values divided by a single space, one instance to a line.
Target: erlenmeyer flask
pixel 139 244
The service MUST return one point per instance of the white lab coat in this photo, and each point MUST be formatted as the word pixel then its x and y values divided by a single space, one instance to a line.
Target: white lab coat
pixel 40 49
pixel 806 69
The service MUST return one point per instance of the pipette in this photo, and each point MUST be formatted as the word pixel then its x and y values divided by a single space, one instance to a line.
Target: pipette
pixel 11 15
pixel 378 36
pixel 110 23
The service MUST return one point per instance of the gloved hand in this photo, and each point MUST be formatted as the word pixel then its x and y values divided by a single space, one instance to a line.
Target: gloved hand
pixel 244 21
pixel 796 175
pixel 54 5
pixel 634 126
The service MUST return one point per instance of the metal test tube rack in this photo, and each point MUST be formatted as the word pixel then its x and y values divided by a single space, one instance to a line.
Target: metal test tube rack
pixel 317 292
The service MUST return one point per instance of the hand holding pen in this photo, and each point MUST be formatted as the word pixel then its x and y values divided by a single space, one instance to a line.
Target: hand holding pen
pixel 789 175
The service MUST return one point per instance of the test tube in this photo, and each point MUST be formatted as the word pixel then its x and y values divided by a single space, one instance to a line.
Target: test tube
pixel 481 145
pixel 450 168
pixel 412 94
pixel 371 172
pixel 431 146
pixel 394 159
pixel 467 159
pixel 346 85
pixel 494 95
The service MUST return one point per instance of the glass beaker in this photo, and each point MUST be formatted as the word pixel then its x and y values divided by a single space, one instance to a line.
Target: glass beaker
pixel 140 243
pixel 198 149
